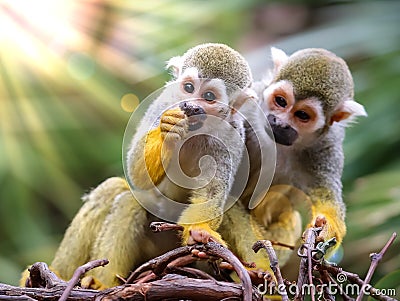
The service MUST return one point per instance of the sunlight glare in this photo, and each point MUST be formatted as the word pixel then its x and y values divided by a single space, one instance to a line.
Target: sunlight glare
pixel 26 24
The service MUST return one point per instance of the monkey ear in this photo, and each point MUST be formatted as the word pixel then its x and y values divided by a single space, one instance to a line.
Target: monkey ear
pixel 175 65
pixel 347 111
pixel 279 57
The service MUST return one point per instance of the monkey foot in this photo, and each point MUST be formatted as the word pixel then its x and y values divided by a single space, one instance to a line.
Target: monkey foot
pixel 91 282
pixel 259 276
pixel 200 233
pixel 200 254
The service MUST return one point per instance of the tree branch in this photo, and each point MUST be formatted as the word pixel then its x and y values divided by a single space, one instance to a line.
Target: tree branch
pixel 273 259
pixel 375 259
pixel 78 273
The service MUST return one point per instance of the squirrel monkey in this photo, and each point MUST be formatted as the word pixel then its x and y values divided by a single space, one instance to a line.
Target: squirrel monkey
pixel 308 103
pixel 194 118
pixel 199 121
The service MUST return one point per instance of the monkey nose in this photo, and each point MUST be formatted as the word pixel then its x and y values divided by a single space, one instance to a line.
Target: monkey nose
pixel 271 119
pixel 191 109
pixel 276 121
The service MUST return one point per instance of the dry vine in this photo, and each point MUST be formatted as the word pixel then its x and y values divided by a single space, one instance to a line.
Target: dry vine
pixel 169 277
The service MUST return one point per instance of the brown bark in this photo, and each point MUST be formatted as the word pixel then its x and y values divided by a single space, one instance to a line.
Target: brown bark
pixel 171 287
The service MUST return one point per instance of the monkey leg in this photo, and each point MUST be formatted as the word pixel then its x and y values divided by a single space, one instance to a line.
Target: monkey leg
pixel 198 227
pixel 277 216
pixel 240 232
pixel 329 214
pixel 273 219
pixel 79 238
pixel 126 241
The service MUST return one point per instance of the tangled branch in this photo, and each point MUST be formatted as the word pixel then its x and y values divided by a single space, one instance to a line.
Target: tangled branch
pixel 169 277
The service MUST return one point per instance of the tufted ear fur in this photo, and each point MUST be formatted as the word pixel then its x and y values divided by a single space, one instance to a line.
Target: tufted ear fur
pixel 347 111
pixel 175 65
pixel 279 57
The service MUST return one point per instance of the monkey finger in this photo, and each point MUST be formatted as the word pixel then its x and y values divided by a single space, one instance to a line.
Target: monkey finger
pixel 174 113
pixel 172 119
pixel 200 236
pixel 203 236
pixel 167 129
pixel 320 221
pixel 91 282
pixel 226 265
pixel 259 276
pixel 323 235
pixel 200 254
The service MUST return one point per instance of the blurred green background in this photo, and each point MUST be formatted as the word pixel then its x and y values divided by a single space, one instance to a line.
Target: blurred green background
pixel 71 72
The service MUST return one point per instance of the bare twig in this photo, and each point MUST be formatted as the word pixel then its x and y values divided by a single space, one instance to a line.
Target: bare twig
pixel 218 250
pixel 354 278
pixel 158 264
pixel 375 259
pixel 305 269
pixel 183 261
pixel 326 278
pixel 147 277
pixel 162 226
pixel 273 259
pixel 189 272
pixel 78 273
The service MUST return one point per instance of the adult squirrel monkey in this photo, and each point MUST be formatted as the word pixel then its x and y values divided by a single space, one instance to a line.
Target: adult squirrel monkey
pixel 190 154
pixel 192 130
pixel 308 104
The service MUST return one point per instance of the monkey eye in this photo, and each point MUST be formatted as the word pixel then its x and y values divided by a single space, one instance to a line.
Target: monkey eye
pixel 280 101
pixel 303 116
pixel 209 96
pixel 188 87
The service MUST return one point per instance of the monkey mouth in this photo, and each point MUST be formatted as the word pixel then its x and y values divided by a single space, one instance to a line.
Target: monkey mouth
pixel 285 137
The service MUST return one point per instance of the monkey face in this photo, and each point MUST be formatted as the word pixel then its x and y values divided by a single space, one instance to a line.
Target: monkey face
pixel 293 120
pixel 202 97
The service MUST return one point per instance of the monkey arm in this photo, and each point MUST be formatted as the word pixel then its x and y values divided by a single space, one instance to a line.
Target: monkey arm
pixel 327 213
pixel 147 168
pixel 241 228
pixel 328 209
pixel 203 216
pixel 153 153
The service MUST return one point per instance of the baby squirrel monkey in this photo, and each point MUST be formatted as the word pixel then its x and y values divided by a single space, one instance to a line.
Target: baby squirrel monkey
pixel 195 116
pixel 308 104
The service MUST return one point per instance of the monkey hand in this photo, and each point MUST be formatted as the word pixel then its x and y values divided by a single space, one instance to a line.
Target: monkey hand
pixel 173 125
pixel 332 226
pixel 200 233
